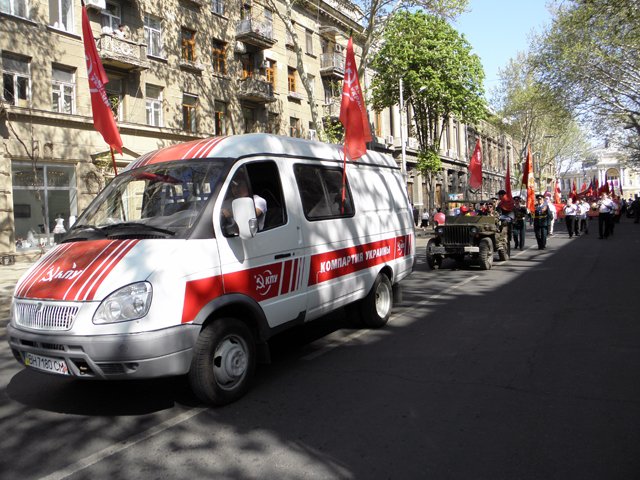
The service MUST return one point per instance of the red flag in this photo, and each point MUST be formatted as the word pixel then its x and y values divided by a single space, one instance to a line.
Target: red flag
pixel 584 186
pixel 475 168
pixel 103 120
pixel 557 193
pixel 353 114
pixel 574 191
pixel 529 181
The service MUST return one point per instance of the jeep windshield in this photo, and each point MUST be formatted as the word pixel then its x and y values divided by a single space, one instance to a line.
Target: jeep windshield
pixel 155 201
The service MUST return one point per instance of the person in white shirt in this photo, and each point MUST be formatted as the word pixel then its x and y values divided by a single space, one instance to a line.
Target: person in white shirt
pixel 583 216
pixel 570 214
pixel 553 213
pixel 605 213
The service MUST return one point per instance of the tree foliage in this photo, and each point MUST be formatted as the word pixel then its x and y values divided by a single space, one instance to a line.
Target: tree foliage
pixel 590 56
pixel 531 112
pixel 441 77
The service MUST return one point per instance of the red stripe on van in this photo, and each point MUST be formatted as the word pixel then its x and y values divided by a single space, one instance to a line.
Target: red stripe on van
pixel 329 265
pixel 79 264
pixel 197 294
pixel 260 283
pixel 286 277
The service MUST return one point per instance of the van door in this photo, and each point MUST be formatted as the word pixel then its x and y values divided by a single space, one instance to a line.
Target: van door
pixel 270 267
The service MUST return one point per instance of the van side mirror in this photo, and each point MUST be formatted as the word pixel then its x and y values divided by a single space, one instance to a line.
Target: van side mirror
pixel 244 214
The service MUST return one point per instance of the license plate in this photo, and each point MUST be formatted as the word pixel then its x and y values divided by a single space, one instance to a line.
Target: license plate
pixel 47 364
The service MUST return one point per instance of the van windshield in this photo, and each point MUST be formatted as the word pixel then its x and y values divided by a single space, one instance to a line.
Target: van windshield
pixel 162 200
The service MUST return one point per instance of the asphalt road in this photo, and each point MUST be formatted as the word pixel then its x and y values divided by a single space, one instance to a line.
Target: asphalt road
pixel 527 371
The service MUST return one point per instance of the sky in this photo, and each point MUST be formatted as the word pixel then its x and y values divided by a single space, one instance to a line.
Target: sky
pixel 498 29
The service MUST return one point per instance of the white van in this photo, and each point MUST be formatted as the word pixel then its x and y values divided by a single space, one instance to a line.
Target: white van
pixel 165 273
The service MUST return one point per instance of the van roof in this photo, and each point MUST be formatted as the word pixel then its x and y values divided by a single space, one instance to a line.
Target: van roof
pixel 237 146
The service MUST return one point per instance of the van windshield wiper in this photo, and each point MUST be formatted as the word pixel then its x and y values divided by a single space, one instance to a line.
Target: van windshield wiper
pixel 133 225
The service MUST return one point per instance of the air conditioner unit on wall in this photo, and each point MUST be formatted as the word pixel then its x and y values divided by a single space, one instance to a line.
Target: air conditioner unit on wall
pixel 412 143
pixel 391 139
pixel 312 135
pixel 97 4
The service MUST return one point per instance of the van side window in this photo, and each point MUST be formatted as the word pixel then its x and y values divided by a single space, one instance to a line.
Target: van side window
pixel 321 192
pixel 260 181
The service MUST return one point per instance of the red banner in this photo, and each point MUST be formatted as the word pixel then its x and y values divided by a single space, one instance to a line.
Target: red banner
pixel 529 181
pixel 475 168
pixel 353 113
pixel 103 120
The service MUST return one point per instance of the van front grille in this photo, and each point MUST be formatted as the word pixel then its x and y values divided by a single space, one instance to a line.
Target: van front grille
pixel 45 315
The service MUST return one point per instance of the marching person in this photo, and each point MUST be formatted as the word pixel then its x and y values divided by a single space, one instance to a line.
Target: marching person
pixel 553 213
pixel 541 218
pixel 570 215
pixel 520 214
pixel 605 209
pixel 583 216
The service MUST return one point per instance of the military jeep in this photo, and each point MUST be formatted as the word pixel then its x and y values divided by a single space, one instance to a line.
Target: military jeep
pixel 476 236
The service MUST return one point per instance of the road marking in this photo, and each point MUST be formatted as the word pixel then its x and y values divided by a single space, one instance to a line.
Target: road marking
pixel 343 341
pixel 119 447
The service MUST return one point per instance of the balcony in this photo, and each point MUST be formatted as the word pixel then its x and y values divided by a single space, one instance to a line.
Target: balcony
pixel 332 108
pixel 332 65
pixel 257 91
pixel 122 53
pixel 255 32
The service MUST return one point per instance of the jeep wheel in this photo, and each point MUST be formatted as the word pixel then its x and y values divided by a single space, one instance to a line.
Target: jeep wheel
pixel 433 260
pixel 504 252
pixel 485 256
pixel 223 363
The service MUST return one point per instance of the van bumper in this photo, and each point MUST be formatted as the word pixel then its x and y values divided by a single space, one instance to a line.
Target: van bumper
pixel 152 354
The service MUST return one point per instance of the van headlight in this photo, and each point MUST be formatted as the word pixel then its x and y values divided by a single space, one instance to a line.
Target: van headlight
pixel 127 303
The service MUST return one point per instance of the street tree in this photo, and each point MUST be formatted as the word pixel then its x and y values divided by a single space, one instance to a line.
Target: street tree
pixel 590 56
pixel 441 79
pixel 372 16
pixel 528 110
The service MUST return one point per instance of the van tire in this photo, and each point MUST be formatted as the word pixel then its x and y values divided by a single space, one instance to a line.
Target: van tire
pixel 375 308
pixel 224 360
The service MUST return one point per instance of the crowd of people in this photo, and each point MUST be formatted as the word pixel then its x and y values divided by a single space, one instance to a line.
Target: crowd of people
pixel 576 213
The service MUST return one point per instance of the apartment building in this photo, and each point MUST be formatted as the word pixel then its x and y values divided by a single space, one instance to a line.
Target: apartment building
pixel 178 70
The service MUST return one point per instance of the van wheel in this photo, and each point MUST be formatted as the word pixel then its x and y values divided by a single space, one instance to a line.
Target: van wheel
pixel 375 308
pixel 224 360
pixel 486 254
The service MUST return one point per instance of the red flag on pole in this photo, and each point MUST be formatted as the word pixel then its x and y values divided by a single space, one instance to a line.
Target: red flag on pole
pixel 529 181
pixel 103 120
pixel 475 168
pixel 557 194
pixel 574 191
pixel 353 114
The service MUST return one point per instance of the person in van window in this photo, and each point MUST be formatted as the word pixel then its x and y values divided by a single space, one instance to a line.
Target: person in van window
pixel 240 189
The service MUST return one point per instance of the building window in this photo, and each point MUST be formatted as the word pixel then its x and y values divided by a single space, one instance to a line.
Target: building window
pixel 378 123
pixel 63 92
pixel 42 195
pixel 270 72
pixel 19 8
pixel 111 18
pixel 219 54
pixel 188 45
pixel 217 6
pixel 249 119
pixel 308 34
pixel 153 35
pixel 294 127
pixel 114 92
pixel 219 118
pixel 189 103
pixel 291 79
pixel 16 81
pixel 273 123
pixel 61 14
pixel 153 101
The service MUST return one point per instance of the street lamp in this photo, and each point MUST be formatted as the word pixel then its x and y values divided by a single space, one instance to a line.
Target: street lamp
pixel 403 139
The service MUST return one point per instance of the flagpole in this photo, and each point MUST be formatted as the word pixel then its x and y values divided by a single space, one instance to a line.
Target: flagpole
pixel 113 161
